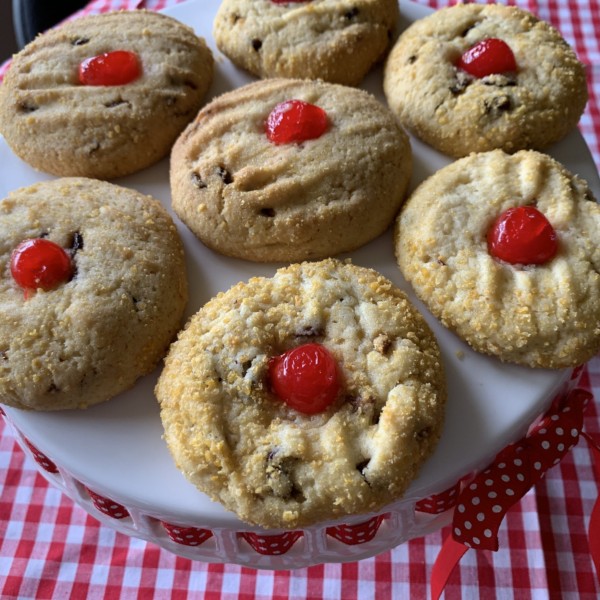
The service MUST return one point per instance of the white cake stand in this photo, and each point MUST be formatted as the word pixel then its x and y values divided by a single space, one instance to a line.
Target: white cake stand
pixel 111 459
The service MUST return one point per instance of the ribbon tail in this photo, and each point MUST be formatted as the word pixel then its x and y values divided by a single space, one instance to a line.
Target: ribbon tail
pixel 449 556
pixel 594 527
pixel 594 536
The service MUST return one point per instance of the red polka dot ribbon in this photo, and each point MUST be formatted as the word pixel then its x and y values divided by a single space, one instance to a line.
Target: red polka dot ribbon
pixel 271 544
pixel 187 536
pixel 439 503
pixel 485 500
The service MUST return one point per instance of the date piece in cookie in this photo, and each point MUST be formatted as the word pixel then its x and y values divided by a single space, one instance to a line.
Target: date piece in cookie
pixel 288 170
pixel 104 95
pixel 311 395
pixel 333 40
pixel 503 250
pixel 476 77
pixel 92 291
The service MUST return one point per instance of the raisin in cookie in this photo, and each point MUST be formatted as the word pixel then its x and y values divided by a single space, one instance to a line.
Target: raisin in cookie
pixel 250 195
pixel 270 463
pixel 114 302
pixel 333 40
pixel 527 291
pixel 530 100
pixel 115 114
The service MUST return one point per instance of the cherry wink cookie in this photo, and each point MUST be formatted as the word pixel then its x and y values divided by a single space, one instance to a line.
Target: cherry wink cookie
pixel 333 40
pixel 307 396
pixel 472 78
pixel 92 291
pixel 105 95
pixel 287 170
pixel 503 249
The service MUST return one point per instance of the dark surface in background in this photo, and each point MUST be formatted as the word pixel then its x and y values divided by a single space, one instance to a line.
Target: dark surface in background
pixel 31 17
pixel 8 44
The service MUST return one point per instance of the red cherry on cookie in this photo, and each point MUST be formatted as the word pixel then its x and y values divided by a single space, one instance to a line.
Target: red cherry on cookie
pixel 522 235
pixel 288 1
pixel 488 57
pixel 306 378
pixel 295 121
pixel 40 263
pixel 111 68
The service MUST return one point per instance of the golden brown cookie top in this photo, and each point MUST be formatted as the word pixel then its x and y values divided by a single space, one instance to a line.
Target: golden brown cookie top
pixel 456 112
pixel 246 196
pixel 271 464
pixel 110 320
pixel 333 40
pixel 540 315
pixel 63 126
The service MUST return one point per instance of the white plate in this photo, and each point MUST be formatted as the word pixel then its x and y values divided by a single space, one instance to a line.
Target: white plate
pixel 116 448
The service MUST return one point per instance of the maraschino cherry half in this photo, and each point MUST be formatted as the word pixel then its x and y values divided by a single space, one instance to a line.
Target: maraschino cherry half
pixel 39 263
pixel 488 57
pixel 111 68
pixel 306 378
pixel 295 121
pixel 522 235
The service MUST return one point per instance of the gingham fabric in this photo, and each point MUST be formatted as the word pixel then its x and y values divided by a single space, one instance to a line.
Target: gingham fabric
pixel 51 548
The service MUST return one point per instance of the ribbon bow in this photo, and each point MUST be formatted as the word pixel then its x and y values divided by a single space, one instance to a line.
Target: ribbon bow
pixel 485 500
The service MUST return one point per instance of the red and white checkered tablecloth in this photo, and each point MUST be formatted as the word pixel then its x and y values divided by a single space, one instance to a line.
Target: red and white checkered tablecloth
pixel 51 548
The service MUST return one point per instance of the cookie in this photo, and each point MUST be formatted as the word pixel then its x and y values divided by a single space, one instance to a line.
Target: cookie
pixel 334 40
pixel 276 466
pixel 96 327
pixel 246 196
pixel 131 106
pixel 539 314
pixel 533 104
